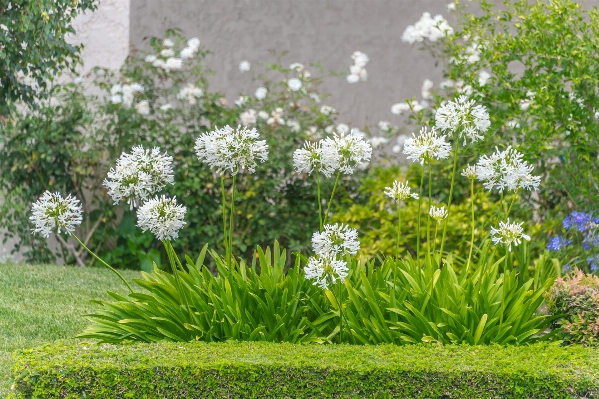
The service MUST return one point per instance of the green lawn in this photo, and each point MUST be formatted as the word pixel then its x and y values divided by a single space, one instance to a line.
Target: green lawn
pixel 40 304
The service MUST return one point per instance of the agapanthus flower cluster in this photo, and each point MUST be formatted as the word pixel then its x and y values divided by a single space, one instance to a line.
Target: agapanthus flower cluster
pixel 469 172
pixel 233 150
pixel 428 145
pixel 358 71
pixel 321 155
pixel 400 191
pixel 464 117
pixel 354 152
pixel 333 242
pixel 190 93
pixel 138 175
pixel 427 27
pixel 509 234
pixel 506 170
pixel 162 216
pixel 125 94
pixel 438 213
pixel 52 213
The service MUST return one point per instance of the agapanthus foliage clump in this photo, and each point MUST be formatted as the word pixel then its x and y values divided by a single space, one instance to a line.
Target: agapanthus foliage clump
pixel 575 299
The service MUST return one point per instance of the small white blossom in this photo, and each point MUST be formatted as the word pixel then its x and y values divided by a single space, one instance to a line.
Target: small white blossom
pixel 315 97
pixel 138 175
pixel 508 233
pixel 398 108
pixel 376 142
pixel 116 99
pixel 248 117
pixel 190 93
pixel 294 125
pixel 244 66
pixel 327 110
pixel 351 78
pixel 241 101
pixel 260 93
pixel 425 147
pixel 143 107
pixel 321 269
pixel 167 43
pixel 469 172
pixel 384 126
pixel 336 239
pixel 162 216
pixel 173 64
pixel 194 43
pixel 263 114
pixel 167 52
pixel 451 7
pixel 294 84
pixel 506 170
pixel 231 149
pixel 446 84
pixel 296 66
pixel 483 77
pixel 360 59
pixel 52 212
pixel 400 191
pixel 438 214
pixel 427 28
pixel 401 139
pixel 342 128
pixel 462 116
pixel 427 85
pixel 115 89
pixel 166 107
pixel 187 53
pixel 353 151
pixel 276 117
pixel 314 156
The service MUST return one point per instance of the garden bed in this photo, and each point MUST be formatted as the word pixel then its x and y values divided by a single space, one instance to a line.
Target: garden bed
pixel 266 370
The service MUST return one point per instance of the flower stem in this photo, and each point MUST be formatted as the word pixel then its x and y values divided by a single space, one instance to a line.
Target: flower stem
pixel 472 214
pixel 102 262
pixel 231 219
pixel 331 200
pixel 455 164
pixel 512 203
pixel 319 201
pixel 419 211
pixel 428 219
pixel 224 206
pixel 398 227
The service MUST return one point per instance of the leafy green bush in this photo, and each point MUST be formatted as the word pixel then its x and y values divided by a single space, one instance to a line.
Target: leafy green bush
pixel 262 370
pixel 574 301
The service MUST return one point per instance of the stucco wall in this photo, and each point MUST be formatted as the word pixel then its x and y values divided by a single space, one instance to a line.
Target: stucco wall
pixel 311 30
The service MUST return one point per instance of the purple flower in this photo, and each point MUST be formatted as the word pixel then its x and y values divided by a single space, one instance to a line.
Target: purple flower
pixel 593 262
pixel 583 221
pixel 557 243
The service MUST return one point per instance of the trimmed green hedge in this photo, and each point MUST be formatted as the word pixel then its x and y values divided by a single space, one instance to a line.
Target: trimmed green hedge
pixel 267 370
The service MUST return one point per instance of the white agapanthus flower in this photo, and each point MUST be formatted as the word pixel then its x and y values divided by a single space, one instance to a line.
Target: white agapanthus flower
pixel 464 117
pixel 294 84
pixel 235 150
pixel 138 175
pixel 437 213
pixel 400 191
pixel 354 152
pixel 508 233
pixel 322 269
pixel 248 117
pixel 335 240
pixel 261 93
pixel 143 107
pixel 506 170
pixel 315 156
pixel 162 216
pixel 425 147
pixel 427 28
pixel 469 172
pixel 244 66
pixel 327 110
pixel 190 93
pixel 52 213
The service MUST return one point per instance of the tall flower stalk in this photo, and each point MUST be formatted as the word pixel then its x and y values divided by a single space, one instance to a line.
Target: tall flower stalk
pixel 470 173
pixel 400 192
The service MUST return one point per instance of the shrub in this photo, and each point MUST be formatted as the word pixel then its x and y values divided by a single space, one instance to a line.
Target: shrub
pixel 262 370
pixel 574 301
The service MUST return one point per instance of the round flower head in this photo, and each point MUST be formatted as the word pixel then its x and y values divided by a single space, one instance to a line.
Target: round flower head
pixel 557 243
pixel 508 233
pixel 438 213
pixel 52 212
pixel 469 172
pixel 138 175
pixel 336 239
pixel 162 216
pixel 231 149
pixel 465 117
pixel 322 269
pixel 425 147
pixel 312 156
pixel 353 150
pixel 506 169
pixel 400 191
pixel 294 84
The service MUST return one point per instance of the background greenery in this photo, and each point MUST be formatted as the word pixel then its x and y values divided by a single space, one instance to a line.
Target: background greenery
pixel 41 303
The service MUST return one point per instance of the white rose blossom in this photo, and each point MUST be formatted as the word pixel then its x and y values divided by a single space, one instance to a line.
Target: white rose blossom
pixel 462 116
pixel 190 93
pixel 400 191
pixel 162 216
pixel 506 170
pixel 508 233
pixel 261 93
pixel 427 28
pixel 235 150
pixel 294 84
pixel 425 147
pixel 52 213
pixel 138 175
pixel 244 66
pixel 327 110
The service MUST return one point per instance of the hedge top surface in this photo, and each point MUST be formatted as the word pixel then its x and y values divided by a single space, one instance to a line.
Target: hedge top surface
pixel 535 360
